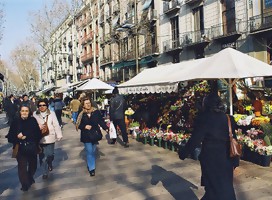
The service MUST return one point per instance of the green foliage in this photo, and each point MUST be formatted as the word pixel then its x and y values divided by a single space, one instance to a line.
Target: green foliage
pixel 267 129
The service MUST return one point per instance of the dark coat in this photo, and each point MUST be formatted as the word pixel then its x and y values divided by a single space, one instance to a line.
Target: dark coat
pixel 211 129
pixel 28 128
pixel 96 121
pixel 118 106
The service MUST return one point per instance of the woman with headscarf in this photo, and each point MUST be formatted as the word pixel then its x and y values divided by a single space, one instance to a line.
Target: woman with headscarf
pixel 47 143
pixel 25 130
pixel 211 129
pixel 89 121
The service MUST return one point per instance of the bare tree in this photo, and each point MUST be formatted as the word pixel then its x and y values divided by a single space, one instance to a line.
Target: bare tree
pixel 46 20
pixel 25 62
pixel 2 20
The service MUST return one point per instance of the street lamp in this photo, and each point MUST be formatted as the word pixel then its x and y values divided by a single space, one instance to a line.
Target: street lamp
pixel 31 82
pixel 79 72
pixel 43 82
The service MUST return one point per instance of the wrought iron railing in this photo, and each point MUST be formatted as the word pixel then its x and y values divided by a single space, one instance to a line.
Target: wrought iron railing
pixel 260 22
pixel 228 28
pixel 170 6
pixel 172 44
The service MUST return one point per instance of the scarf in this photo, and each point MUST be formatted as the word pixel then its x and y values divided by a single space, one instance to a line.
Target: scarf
pixel 79 118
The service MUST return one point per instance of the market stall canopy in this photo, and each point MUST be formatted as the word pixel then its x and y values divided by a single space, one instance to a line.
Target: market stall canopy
pixel 69 86
pixel 159 79
pixel 46 90
pixel 229 63
pixel 94 84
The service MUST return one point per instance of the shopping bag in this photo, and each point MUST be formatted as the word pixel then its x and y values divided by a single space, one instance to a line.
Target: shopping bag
pixel 112 131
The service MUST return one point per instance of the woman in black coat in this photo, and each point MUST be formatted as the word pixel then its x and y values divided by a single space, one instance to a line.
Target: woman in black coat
pixel 211 129
pixel 25 128
pixel 89 122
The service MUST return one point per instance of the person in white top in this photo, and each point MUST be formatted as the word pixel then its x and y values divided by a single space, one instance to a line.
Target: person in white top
pixel 42 115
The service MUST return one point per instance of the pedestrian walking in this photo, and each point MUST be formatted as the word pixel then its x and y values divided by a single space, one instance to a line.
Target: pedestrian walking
pixel 25 134
pixel 74 106
pixel 117 115
pixel 89 122
pixel 211 129
pixel 58 106
pixel 51 104
pixel 11 108
pixel 44 115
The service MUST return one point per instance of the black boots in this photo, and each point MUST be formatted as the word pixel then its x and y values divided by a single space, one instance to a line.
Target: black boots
pixel 92 172
pixel 49 162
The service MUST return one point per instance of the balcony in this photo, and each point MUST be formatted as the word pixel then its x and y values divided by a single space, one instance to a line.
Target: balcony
pixel 87 38
pixel 195 39
pixel 228 32
pixel 172 46
pixel 149 50
pixel 190 2
pixel 87 57
pixel 261 23
pixel 105 60
pixel 171 7
pixel 87 75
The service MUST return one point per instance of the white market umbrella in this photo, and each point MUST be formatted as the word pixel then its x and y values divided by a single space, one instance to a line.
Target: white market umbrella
pixel 94 84
pixel 229 64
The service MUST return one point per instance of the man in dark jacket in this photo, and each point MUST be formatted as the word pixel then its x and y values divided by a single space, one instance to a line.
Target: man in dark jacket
pixel 117 114
pixel 11 108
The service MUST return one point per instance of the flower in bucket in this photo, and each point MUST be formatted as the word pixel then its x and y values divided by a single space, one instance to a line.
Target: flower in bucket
pixel 253 133
pixel 249 108
pixel 168 127
pixel 129 112
pixel 159 135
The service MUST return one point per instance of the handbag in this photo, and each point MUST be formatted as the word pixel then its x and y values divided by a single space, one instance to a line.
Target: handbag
pixel 112 131
pixel 94 135
pixel 235 148
pixel 27 147
pixel 45 130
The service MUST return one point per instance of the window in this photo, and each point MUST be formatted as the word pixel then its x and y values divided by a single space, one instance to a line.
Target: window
pixel 198 19
pixel 175 31
pixel 228 16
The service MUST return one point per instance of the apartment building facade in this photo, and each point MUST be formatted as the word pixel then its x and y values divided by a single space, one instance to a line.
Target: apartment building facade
pixel 119 38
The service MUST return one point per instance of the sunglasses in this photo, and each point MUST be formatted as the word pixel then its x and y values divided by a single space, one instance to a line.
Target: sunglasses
pixel 41 105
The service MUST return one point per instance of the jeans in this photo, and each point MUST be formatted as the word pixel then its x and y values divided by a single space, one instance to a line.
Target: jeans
pixel 48 156
pixel 74 116
pixel 90 154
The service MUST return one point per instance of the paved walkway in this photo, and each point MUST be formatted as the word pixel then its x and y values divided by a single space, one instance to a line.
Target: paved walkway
pixel 135 173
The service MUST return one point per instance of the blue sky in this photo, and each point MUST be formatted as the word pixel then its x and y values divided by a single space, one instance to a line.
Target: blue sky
pixel 17 27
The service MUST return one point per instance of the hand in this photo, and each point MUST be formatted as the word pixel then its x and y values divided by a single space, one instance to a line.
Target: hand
pixel 59 139
pixel 21 136
pixel 88 127
pixel 41 126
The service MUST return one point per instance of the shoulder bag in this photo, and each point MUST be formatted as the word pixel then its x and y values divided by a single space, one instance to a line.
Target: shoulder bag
pixel 45 130
pixel 235 148
pixel 94 135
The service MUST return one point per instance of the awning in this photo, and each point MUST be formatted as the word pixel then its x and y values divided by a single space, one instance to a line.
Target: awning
pixel 115 21
pixel 46 90
pixel 147 4
pixel 161 79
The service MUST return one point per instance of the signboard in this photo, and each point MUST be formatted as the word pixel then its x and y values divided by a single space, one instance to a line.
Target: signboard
pixel 229 45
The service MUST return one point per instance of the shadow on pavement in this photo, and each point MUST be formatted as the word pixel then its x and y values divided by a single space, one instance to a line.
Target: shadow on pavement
pixel 5 147
pixel 177 186
pixel 9 179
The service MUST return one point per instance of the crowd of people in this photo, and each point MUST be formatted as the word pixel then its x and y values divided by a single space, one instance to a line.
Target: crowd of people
pixel 37 124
